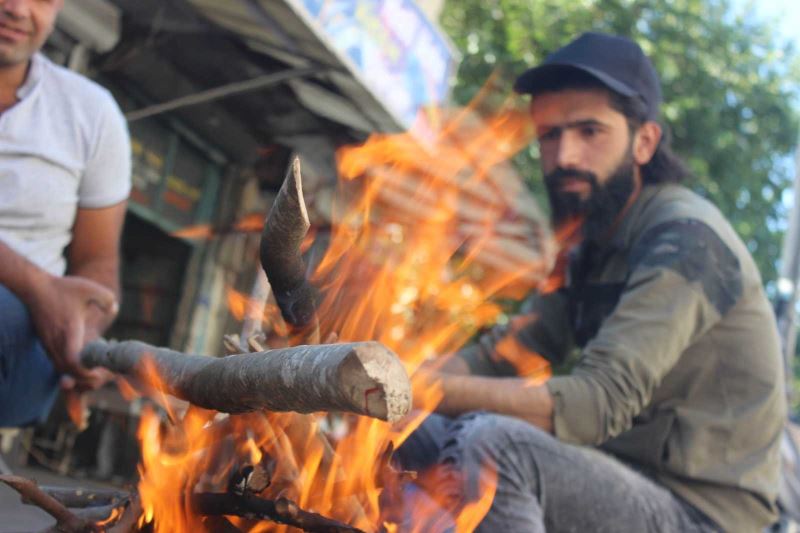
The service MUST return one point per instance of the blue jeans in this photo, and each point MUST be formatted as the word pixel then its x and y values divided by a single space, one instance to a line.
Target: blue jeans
pixel 28 381
pixel 543 484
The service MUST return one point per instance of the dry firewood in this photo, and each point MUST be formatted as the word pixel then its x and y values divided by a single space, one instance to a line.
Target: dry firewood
pixel 66 520
pixel 80 497
pixel 284 231
pixel 364 378
pixel 97 514
pixel 252 479
pixel 129 521
pixel 282 511
pixel 232 344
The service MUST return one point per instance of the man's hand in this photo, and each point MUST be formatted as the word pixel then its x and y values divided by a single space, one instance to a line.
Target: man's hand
pixel 65 313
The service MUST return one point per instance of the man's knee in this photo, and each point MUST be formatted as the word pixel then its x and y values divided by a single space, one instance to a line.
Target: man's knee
pixel 488 436
pixel 421 450
pixel 482 446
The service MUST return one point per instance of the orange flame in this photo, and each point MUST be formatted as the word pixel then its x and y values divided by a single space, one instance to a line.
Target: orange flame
pixel 423 240
pixel 252 223
pixel 112 518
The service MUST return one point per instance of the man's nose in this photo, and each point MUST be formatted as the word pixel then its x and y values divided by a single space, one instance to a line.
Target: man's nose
pixel 14 8
pixel 570 151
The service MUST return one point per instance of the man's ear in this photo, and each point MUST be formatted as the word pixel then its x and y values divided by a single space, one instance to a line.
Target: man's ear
pixel 645 142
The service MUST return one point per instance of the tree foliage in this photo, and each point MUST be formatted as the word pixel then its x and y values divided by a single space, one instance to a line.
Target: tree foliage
pixel 730 90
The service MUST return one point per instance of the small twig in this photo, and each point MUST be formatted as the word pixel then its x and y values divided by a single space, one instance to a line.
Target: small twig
pixel 67 521
pixel 282 511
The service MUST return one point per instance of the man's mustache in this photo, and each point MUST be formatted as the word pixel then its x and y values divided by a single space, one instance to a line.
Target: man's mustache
pixel 560 174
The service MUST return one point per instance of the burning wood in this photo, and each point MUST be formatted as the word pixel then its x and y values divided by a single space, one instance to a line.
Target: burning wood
pixel 80 498
pixel 414 269
pixel 120 512
pixel 281 257
pixel 282 511
pixel 364 378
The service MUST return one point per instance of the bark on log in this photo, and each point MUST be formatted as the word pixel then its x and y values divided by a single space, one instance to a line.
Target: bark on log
pixel 281 258
pixel 365 378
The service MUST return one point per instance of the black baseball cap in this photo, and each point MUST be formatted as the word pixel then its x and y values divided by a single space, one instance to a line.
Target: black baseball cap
pixel 617 62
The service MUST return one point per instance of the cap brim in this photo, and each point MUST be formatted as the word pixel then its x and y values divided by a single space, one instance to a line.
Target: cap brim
pixel 530 80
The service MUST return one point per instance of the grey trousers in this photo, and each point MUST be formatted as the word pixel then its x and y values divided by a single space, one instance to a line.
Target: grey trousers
pixel 542 484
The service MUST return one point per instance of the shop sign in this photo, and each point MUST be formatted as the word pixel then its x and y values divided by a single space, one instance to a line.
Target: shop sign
pixel 397 52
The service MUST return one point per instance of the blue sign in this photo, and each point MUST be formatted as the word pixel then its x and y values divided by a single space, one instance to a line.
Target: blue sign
pixel 400 55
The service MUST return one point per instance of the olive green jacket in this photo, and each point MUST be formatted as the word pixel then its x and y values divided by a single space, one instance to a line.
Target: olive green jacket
pixel 680 371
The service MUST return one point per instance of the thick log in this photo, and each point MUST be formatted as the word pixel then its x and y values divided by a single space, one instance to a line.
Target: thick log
pixel 365 378
pixel 80 497
pixel 281 257
pixel 282 511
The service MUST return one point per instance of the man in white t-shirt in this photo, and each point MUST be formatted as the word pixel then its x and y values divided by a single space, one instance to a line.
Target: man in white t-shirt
pixel 64 182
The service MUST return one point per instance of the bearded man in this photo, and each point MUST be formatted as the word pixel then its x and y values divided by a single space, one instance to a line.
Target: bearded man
pixel 671 416
pixel 64 179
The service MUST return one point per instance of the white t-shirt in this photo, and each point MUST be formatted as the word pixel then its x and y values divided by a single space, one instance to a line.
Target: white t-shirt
pixel 64 145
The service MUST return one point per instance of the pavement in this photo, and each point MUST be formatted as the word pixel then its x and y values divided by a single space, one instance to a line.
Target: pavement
pixel 15 517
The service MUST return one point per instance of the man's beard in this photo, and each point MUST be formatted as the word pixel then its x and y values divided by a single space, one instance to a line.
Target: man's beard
pixel 601 208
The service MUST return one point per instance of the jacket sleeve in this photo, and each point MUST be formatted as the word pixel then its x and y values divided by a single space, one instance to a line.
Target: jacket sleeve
pixel 683 279
pixel 514 349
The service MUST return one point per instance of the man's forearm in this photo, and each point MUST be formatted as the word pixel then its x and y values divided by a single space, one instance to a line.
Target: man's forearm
pixel 506 396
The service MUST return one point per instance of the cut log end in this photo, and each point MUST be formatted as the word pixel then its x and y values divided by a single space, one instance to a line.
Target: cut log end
pixel 380 383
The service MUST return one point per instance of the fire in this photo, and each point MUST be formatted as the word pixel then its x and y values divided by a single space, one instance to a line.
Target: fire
pixel 252 223
pixel 425 239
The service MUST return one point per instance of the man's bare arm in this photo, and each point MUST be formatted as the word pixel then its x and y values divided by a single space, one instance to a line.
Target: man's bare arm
pixel 516 397
pixel 94 254
pixel 58 306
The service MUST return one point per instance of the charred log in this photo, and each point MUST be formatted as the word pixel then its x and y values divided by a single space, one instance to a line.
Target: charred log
pixel 282 511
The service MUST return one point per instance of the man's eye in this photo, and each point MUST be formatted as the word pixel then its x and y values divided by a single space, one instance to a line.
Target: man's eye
pixel 589 131
pixel 549 135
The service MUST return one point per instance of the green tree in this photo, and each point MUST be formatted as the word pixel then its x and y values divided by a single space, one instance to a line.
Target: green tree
pixel 730 90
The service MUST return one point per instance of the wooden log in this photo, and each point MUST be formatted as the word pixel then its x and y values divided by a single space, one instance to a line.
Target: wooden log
pixel 281 257
pixel 67 521
pixel 282 511
pixel 80 497
pixel 365 378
